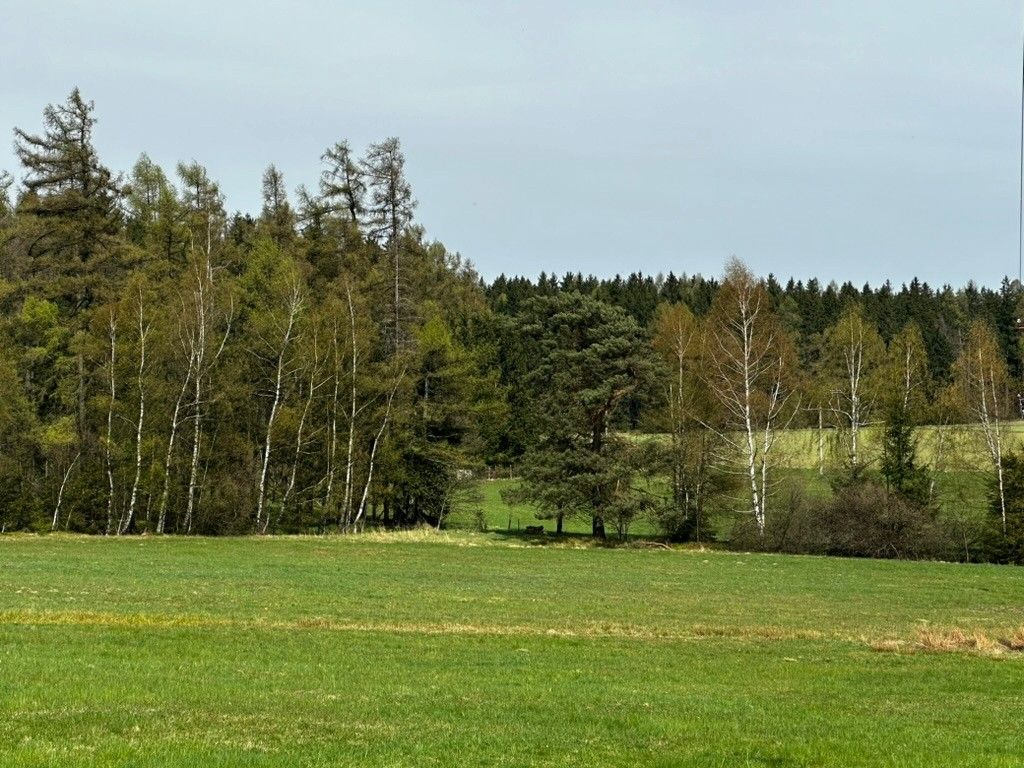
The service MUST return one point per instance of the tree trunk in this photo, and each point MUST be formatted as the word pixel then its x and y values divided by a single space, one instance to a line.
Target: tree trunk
pixel 821 443
pixel 107 452
pixel 332 444
pixel 373 454
pixel 313 386
pixel 197 434
pixel 347 498
pixel 130 516
pixel 175 414
pixel 60 492
pixel 295 303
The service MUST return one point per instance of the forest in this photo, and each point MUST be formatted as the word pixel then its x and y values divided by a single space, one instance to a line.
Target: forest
pixel 171 367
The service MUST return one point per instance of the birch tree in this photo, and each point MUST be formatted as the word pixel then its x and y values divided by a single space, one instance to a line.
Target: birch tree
pixel 283 322
pixel 108 443
pixel 176 419
pixel 854 353
pixel 982 381
pixel 906 369
pixel 749 372
pixel 678 338
pixel 313 381
pixel 142 327
pixel 903 381
pixel 371 462
pixel 350 342
pixel 211 314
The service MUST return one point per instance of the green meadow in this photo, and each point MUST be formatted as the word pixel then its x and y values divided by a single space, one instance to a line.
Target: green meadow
pixel 459 649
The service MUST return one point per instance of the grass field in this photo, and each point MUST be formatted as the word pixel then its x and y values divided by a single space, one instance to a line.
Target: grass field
pixel 963 494
pixel 798 448
pixel 433 649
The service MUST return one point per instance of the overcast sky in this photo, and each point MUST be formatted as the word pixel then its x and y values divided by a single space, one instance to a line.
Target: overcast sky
pixel 850 139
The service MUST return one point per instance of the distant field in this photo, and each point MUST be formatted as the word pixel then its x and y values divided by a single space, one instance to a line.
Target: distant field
pixel 500 516
pixel 798 448
pixel 468 649
pixel 962 493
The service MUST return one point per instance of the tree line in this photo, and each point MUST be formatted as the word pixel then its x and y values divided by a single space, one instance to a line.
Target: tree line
pixel 171 367
pixel 174 368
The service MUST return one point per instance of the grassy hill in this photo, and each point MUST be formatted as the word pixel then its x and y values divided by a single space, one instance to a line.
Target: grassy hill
pixel 798 448
pixel 432 649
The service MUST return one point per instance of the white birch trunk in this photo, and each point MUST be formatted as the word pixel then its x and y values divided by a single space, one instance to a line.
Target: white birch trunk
pixel 347 497
pixel 361 511
pixel 107 453
pixel 332 447
pixel 989 417
pixel 294 305
pixel 175 416
pixel 140 421
pixel 821 442
pixel 300 431
pixel 60 492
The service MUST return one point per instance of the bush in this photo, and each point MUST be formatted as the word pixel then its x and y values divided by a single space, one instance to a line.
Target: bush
pixel 866 520
pixel 861 519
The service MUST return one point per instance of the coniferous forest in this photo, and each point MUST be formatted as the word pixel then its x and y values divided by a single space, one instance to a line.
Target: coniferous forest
pixel 173 367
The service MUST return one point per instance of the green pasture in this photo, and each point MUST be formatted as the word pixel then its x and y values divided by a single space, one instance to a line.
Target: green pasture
pixel 956 448
pixel 422 649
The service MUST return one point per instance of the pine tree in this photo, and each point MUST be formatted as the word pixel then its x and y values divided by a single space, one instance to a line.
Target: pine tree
pixel 588 357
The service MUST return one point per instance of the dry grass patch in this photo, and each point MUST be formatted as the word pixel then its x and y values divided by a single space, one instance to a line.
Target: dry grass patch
pixel 957 640
pixel 584 630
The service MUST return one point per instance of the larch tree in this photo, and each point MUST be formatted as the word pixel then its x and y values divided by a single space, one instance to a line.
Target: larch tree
pixel 155 217
pixel 71 206
pixel 6 205
pixel 342 184
pixel 277 216
pixel 388 215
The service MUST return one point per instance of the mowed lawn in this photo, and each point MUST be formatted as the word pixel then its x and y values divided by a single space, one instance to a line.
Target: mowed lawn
pixel 413 650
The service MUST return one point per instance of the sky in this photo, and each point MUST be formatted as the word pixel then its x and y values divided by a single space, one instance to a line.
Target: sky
pixel 846 140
